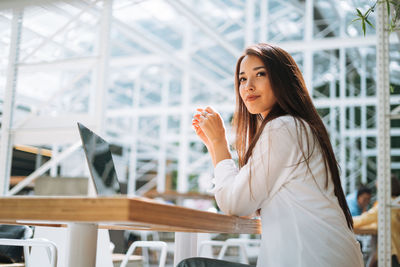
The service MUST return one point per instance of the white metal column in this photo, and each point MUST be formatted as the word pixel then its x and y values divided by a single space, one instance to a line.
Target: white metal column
pixel 363 85
pixel 185 246
pixel 162 152
pixel 332 108
pixel 102 70
pixel 183 185
pixel 342 120
pixel 383 157
pixel 264 20
pixel 249 30
pixel 81 245
pixel 134 131
pixel 9 99
pixel 308 36
pixel 54 153
pixel 352 144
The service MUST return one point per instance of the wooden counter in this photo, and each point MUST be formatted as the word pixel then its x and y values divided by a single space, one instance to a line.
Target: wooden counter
pixel 137 213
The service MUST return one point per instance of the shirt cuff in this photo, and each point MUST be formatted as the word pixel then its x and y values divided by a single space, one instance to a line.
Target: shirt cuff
pixel 224 171
pixel 221 168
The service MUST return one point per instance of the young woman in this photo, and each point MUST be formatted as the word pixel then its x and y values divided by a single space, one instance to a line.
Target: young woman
pixel 287 169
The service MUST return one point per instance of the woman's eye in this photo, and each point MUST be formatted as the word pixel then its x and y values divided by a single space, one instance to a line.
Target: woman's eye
pixel 261 73
pixel 242 79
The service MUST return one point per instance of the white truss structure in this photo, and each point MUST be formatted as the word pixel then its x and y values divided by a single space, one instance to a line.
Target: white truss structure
pixel 135 71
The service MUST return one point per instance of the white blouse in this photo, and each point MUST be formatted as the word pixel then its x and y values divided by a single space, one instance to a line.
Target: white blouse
pixel 302 222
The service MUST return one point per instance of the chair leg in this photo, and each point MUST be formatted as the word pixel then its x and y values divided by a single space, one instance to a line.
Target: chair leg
pixel 26 256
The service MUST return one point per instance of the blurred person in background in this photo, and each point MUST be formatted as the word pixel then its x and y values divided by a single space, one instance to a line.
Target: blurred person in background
pixel 369 220
pixel 358 201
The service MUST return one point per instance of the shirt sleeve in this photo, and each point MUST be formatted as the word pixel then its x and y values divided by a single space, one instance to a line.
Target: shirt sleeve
pixel 367 218
pixel 242 192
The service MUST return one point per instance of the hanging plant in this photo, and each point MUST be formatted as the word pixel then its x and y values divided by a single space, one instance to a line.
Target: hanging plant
pixel 393 17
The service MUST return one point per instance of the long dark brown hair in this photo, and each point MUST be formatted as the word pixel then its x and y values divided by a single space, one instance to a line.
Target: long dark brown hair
pixel 293 99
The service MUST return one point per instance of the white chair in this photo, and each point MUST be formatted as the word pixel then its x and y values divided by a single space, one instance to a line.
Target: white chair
pixel 51 248
pixel 144 236
pixel 211 243
pixel 241 243
pixel 147 244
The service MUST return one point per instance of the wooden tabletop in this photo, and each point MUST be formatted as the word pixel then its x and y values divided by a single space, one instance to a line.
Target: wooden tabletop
pixel 121 212
pixel 125 213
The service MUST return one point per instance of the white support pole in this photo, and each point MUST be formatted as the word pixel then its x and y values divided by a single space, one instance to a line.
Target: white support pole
pixel 134 129
pixel 9 100
pixel 249 28
pixel 383 157
pixel 264 20
pixel 183 186
pixel 308 54
pixel 352 145
pixel 81 245
pixel 185 246
pixel 161 168
pixel 309 20
pixel 363 85
pixel 54 153
pixel 332 108
pixel 38 160
pixel 342 121
pixel 333 128
pixel 308 71
pixel 102 70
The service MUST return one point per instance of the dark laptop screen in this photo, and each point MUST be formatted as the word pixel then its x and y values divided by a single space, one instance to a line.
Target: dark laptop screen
pixel 100 162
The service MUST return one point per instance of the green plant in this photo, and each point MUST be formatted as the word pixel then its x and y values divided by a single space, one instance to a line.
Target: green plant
pixel 393 18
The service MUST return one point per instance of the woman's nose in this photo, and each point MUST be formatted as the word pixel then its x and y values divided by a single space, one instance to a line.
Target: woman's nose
pixel 249 85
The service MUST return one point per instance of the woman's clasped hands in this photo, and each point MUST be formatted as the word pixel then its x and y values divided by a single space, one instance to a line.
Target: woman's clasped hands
pixel 209 126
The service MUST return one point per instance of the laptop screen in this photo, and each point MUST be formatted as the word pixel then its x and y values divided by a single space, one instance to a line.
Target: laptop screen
pixel 101 165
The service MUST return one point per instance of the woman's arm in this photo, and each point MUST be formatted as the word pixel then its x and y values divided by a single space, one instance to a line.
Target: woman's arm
pixel 242 192
pixel 368 217
pixel 221 151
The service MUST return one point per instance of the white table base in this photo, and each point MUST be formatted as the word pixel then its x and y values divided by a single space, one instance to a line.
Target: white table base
pixel 81 245
pixel 185 246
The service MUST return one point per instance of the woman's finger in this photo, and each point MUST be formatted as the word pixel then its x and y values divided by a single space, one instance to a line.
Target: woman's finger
pixel 202 118
pixel 210 110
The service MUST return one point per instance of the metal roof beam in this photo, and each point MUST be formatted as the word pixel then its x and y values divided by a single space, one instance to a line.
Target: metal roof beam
pixel 87 63
pixel 154 111
pixel 47 39
pixel 29 30
pixel 196 20
pixel 332 43
pixel 135 34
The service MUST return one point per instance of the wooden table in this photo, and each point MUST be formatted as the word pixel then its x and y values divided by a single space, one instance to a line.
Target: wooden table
pixel 84 215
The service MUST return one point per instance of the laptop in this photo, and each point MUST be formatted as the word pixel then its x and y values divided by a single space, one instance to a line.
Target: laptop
pixel 100 162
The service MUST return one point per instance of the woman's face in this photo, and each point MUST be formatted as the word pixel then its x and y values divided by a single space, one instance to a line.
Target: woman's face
pixel 254 86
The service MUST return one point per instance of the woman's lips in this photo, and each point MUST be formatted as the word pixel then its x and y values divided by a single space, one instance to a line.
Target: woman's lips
pixel 252 98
